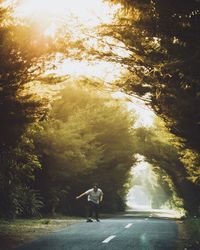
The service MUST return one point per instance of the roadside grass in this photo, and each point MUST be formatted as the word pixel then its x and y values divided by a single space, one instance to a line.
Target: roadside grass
pixel 16 232
pixel 191 227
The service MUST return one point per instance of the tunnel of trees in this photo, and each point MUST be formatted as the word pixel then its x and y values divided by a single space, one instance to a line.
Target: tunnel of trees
pixel 52 146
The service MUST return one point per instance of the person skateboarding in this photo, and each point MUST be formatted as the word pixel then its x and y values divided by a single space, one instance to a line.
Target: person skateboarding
pixel 95 196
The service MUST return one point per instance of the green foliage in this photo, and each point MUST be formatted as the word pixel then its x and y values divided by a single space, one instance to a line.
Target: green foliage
pixel 87 138
pixel 17 167
pixel 20 53
pixel 192 230
pixel 191 161
pixel 168 195
pixel 23 51
pixel 28 203
pixel 161 150
pixel 162 37
pixel 90 137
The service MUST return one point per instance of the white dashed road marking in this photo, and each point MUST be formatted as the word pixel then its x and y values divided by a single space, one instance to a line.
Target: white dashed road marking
pixel 109 239
pixel 129 225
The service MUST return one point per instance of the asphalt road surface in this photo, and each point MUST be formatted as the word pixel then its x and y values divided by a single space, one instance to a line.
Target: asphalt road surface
pixel 122 232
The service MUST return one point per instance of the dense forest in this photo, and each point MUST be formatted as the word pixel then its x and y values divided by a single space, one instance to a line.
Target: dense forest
pixel 59 134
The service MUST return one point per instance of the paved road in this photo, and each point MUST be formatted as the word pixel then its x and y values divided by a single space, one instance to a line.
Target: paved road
pixel 119 233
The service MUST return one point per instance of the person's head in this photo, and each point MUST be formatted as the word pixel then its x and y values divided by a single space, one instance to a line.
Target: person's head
pixel 95 186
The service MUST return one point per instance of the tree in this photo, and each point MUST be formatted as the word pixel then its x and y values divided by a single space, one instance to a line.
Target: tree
pixel 17 168
pixel 22 54
pixel 19 57
pixel 162 37
pixel 88 138
pixel 160 150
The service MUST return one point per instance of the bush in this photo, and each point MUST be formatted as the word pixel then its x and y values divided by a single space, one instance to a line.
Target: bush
pixel 28 203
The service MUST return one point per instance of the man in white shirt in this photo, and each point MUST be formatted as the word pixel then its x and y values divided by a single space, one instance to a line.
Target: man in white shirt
pixel 95 196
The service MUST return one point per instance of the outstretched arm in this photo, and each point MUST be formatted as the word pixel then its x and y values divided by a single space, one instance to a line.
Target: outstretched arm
pixel 81 195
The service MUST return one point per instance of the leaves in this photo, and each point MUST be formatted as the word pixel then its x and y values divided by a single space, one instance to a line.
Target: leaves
pixel 87 137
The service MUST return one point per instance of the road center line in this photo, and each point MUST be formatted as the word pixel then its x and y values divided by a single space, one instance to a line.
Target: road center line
pixel 109 239
pixel 129 225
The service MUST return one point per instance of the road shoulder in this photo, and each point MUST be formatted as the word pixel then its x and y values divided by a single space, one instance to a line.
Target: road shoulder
pixel 17 232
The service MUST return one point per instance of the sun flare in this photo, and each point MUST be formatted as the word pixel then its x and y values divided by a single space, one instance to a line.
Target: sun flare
pixel 50 15
pixel 88 12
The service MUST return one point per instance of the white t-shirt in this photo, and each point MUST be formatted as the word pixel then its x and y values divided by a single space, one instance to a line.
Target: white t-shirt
pixel 94 196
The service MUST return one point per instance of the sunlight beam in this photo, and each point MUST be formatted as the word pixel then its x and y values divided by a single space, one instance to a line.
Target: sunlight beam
pixel 88 12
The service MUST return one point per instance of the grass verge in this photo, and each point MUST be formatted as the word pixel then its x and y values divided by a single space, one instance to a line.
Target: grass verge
pixel 16 232
pixel 190 232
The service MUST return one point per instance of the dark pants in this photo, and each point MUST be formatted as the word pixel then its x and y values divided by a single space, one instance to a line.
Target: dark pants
pixel 93 208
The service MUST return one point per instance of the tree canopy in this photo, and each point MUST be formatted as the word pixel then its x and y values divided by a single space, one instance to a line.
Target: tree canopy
pixel 160 149
pixel 62 142
pixel 163 40
pixel 88 137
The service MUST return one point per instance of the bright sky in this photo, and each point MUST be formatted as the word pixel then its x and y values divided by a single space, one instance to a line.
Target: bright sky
pixel 89 12
pixel 106 71
pixel 145 115
pixel 78 17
